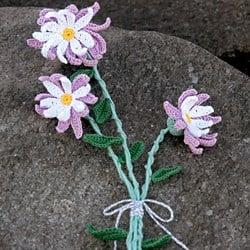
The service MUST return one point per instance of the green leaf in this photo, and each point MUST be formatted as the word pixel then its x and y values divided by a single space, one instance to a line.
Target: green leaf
pixel 102 111
pixel 88 72
pixel 101 141
pixel 156 242
pixel 111 233
pixel 165 173
pixel 136 150
pixel 172 130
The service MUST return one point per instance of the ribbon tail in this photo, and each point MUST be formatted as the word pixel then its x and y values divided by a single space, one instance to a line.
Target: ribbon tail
pixel 115 245
pixel 156 219
pixel 117 224
pixel 181 244
pixel 111 210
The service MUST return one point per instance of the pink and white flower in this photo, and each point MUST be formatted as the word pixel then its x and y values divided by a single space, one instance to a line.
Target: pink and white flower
pixel 67 101
pixel 194 119
pixel 70 36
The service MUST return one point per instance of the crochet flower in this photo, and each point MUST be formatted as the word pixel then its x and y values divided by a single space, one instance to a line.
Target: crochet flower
pixel 65 101
pixel 70 36
pixel 195 120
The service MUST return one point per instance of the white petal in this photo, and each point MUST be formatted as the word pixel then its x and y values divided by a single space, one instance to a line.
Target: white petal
pixel 51 112
pixel 205 131
pixel 202 123
pixel 53 89
pixel 78 106
pixel 59 17
pixel 85 38
pixel 198 111
pixel 42 36
pixel 188 103
pixel 82 91
pixel 77 48
pixel 50 26
pixel 84 21
pixel 60 51
pixel 64 113
pixel 52 42
pixel 197 132
pixel 70 17
pixel 66 83
pixel 48 102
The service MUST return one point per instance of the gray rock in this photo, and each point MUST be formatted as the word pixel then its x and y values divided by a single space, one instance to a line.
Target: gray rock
pixel 218 26
pixel 51 185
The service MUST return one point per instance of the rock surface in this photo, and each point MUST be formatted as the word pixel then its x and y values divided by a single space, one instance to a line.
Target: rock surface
pixel 51 185
pixel 218 26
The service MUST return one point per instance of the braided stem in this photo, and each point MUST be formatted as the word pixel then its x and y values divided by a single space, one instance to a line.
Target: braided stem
pixel 150 161
pixel 114 157
pixel 120 131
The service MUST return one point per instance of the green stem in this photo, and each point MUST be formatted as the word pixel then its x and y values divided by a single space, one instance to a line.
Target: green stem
pixel 114 157
pixel 134 239
pixel 135 236
pixel 150 161
pixel 120 131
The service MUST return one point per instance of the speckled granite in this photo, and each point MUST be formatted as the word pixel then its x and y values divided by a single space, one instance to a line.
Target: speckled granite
pixel 51 185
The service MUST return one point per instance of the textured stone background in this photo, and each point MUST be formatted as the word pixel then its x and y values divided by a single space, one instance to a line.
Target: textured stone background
pixel 220 26
pixel 52 185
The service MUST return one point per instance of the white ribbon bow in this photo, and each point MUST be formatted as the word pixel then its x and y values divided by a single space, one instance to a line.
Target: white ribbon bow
pixel 137 209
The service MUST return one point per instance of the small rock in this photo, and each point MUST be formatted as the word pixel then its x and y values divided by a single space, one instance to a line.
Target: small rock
pixel 209 212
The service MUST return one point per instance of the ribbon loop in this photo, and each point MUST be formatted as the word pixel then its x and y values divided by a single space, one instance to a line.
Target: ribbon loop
pixel 110 209
pixel 156 216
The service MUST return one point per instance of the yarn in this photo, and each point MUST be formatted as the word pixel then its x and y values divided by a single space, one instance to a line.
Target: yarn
pixel 150 161
pixel 66 100
pixel 102 111
pixel 102 141
pixel 70 36
pixel 117 234
pixel 156 242
pixel 108 233
pixel 135 237
pixel 120 130
pixel 165 173
pixel 136 151
pixel 115 159
pixel 137 211
pixel 88 72
pixel 193 120
pixel 171 126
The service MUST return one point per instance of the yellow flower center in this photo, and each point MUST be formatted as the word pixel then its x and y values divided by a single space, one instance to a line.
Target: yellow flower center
pixel 68 34
pixel 188 118
pixel 66 99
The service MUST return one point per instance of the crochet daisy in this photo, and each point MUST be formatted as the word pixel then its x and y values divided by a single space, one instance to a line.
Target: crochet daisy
pixel 70 36
pixel 67 101
pixel 194 119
